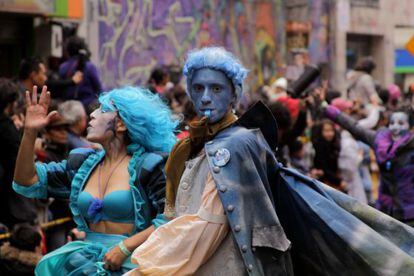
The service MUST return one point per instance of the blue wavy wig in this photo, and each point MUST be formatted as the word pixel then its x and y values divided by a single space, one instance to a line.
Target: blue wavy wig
pixel 147 118
pixel 216 58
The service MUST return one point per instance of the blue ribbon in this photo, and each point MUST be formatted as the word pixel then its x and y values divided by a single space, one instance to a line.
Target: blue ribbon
pixel 95 210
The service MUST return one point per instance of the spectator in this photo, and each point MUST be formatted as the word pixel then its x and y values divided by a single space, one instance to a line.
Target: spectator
pixel 88 89
pixel 21 254
pixel 297 157
pixel 284 122
pixel 294 71
pixel 361 85
pixel 158 80
pixel 56 140
pixel 75 116
pixel 14 207
pixel 175 73
pixel 56 84
pixel 326 142
pixel 32 71
pixel 291 120
pixel 395 95
pixel 277 90
pixel 350 156
pixel 181 106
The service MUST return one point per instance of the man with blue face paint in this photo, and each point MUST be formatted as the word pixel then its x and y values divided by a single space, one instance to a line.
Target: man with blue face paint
pixel 212 94
pixel 216 200
pixel 236 211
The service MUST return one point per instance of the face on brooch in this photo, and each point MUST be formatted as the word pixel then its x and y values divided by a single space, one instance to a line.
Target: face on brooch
pixel 212 94
pixel 399 124
pixel 102 125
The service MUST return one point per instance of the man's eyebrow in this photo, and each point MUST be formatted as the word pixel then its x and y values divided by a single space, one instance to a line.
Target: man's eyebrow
pixel 213 82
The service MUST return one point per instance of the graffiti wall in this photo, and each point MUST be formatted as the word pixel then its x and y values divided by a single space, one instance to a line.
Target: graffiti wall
pixel 135 36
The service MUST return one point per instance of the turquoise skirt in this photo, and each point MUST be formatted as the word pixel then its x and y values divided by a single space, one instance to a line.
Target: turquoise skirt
pixel 83 257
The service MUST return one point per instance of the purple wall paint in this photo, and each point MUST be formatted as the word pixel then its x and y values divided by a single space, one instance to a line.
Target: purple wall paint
pixel 134 36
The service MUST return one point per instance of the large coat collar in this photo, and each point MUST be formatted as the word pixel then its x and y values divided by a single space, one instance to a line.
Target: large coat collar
pixel 259 116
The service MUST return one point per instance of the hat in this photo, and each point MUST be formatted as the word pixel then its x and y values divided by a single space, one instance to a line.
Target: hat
pixel 280 82
pixel 57 121
pixel 293 105
pixel 394 91
pixel 341 104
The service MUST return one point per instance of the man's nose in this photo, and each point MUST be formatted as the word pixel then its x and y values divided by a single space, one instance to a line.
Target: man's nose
pixel 206 99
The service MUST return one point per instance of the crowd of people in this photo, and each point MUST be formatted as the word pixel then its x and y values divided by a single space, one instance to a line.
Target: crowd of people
pixel 358 142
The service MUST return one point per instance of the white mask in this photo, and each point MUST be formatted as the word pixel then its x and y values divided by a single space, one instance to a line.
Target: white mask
pixel 399 124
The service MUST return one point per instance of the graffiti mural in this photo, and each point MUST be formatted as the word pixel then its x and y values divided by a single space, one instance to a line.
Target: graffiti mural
pixel 135 36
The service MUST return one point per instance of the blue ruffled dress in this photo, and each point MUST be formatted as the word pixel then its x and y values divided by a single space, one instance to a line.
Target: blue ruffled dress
pixel 66 179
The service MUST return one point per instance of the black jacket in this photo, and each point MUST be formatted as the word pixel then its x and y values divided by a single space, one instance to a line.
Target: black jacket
pixel 14 207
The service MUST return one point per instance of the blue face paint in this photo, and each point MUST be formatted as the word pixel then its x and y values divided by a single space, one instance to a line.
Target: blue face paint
pixel 212 94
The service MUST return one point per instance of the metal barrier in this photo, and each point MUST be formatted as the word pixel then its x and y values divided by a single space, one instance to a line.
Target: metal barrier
pixel 43 226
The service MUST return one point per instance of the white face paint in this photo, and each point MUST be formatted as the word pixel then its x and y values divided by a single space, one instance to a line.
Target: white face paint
pixel 399 124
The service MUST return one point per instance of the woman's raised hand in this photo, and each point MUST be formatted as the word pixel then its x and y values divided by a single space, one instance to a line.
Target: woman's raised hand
pixel 37 116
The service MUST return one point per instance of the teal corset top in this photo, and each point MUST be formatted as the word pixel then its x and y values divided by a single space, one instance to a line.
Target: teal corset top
pixel 117 206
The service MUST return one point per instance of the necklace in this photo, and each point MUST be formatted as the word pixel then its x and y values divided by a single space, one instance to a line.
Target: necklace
pixel 102 193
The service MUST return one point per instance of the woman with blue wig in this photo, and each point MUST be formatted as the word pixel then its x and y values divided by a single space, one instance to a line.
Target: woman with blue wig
pixel 116 194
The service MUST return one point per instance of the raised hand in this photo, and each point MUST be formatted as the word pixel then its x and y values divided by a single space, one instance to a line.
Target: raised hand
pixel 37 116
pixel 77 77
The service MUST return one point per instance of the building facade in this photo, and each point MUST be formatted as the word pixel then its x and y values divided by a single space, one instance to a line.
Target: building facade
pixel 35 28
pixel 342 31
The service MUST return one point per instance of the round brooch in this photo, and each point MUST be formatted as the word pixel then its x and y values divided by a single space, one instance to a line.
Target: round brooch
pixel 221 157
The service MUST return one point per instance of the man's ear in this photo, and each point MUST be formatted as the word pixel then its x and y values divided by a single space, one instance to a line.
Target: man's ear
pixel 236 95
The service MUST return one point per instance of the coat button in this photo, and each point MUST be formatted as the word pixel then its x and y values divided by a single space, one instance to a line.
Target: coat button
pixel 230 208
pixel 250 267
pixel 223 188
pixel 189 165
pixel 237 228
pixel 216 169
pixel 185 186
pixel 244 248
pixel 209 143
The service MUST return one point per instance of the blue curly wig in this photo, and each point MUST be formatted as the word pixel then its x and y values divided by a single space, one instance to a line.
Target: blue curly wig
pixel 216 58
pixel 147 118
